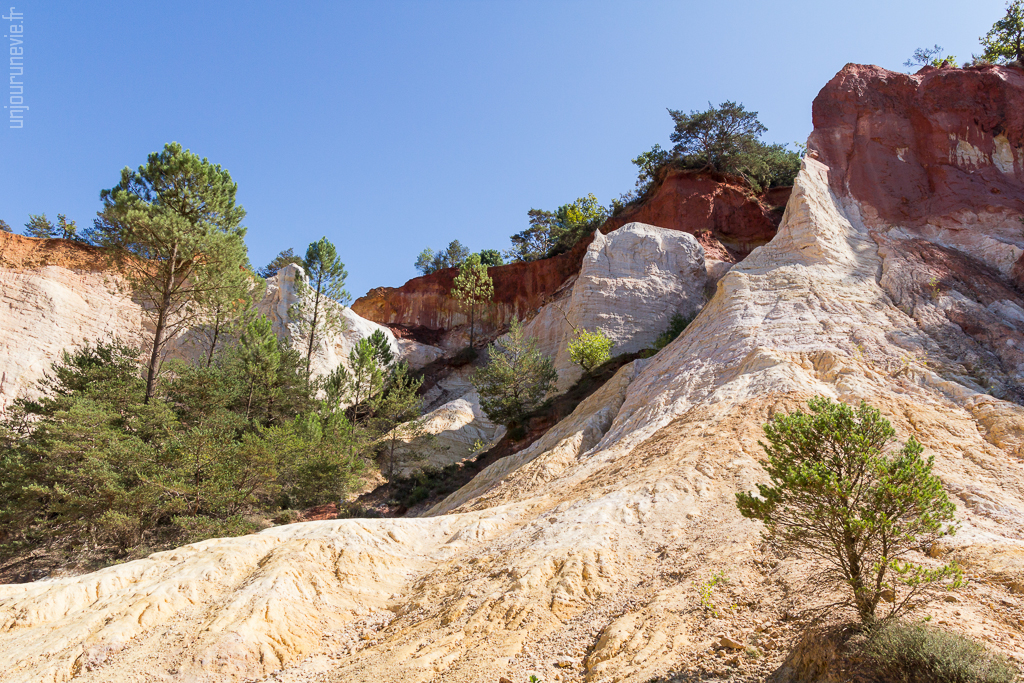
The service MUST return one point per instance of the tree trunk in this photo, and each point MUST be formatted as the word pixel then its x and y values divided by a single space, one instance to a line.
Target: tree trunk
pixel 161 327
pixel 312 330
pixel 472 322
pixel 213 342
pixel 248 403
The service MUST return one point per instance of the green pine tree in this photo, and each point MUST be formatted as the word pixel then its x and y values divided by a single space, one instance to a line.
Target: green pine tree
pixel 515 379
pixel 40 227
pixel 473 287
pixel 397 417
pixel 840 494
pixel 175 230
pixel 1005 40
pixel 321 293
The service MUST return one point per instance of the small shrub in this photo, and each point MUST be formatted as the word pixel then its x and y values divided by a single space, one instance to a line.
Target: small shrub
pixel 676 325
pixel 287 517
pixel 590 350
pixel 353 510
pixel 915 653
pixel 706 591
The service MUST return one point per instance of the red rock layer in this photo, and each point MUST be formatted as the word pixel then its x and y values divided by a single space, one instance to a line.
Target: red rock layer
pixel 18 252
pixel 719 210
pixel 908 145
pixel 519 289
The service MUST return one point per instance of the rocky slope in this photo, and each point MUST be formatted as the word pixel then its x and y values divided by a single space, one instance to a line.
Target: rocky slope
pixel 720 211
pixel 582 557
pixel 56 294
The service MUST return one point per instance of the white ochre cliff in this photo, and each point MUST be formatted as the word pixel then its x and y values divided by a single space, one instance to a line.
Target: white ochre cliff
pixel 580 558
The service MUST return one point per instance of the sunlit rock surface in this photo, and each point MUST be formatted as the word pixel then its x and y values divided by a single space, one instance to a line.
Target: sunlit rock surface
pixel 582 556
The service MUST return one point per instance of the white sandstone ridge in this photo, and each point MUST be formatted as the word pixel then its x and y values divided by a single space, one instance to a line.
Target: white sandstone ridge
pixel 47 309
pixel 581 556
pixel 334 349
pixel 631 283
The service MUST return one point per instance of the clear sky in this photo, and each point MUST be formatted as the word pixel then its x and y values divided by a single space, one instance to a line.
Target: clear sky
pixel 392 126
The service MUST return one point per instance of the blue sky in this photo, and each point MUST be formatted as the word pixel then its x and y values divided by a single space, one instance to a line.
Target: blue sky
pixel 392 126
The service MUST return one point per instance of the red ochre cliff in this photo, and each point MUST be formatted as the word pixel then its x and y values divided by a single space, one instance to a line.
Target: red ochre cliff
pixel 720 211
pixel 18 252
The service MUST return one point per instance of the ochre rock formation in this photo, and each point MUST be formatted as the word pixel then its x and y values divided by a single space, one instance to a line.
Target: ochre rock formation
pixel 583 556
pixel 55 295
pixel 632 281
pixel 59 295
pixel 519 290
pixel 719 211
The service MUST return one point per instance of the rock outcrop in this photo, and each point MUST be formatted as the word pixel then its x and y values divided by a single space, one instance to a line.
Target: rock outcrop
pixel 583 557
pixel 631 283
pixel 718 210
pixel 519 290
pixel 56 294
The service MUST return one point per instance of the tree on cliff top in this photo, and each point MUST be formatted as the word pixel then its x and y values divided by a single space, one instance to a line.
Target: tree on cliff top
pixel 555 232
pixel 929 56
pixel 321 296
pixel 727 139
pixel 284 258
pixel 453 256
pixel 4 227
pixel 1005 40
pixel 472 287
pixel 838 494
pixel 176 232
pixel 40 227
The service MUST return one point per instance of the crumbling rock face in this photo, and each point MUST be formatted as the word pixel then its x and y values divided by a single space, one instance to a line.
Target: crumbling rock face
pixel 519 290
pixel 57 295
pixel 584 556
pixel 721 211
pixel 938 154
pixel 632 281
pixel 933 165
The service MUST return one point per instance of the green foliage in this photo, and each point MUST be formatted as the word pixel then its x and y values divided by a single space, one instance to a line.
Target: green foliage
pixel 175 230
pixel 727 139
pixel 676 325
pixel 555 232
pixel 92 467
pixel 40 227
pixel 515 379
pixel 717 138
pixel 929 56
pixel 590 350
pixel 914 653
pixel 451 257
pixel 648 164
pixel 839 494
pixel 4 227
pixel 283 258
pixel 397 418
pixel 321 295
pixel 472 287
pixel 706 590
pixel 1004 42
pixel 260 360
pixel 491 257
